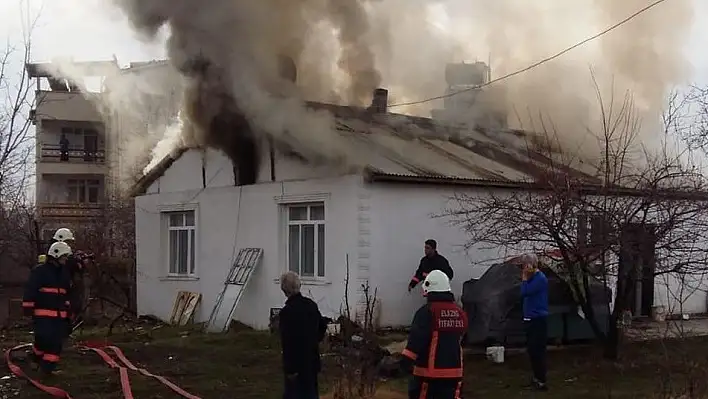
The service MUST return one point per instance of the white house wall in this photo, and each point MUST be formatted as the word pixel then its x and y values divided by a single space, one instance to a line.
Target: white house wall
pixel 229 218
pixel 678 294
pixel 402 218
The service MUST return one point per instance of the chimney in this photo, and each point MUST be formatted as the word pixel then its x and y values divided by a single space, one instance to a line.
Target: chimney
pixel 379 104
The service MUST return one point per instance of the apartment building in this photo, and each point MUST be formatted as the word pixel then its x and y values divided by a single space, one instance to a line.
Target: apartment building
pixel 78 147
pixel 72 164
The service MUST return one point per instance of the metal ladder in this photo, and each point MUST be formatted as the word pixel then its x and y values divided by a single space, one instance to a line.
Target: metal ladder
pixel 236 281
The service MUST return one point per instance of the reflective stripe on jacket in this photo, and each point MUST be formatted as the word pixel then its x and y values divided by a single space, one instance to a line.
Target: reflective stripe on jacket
pixel 435 338
pixel 47 292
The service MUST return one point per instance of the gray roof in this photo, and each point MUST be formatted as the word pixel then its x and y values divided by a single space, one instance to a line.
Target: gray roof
pixel 421 149
pixel 401 145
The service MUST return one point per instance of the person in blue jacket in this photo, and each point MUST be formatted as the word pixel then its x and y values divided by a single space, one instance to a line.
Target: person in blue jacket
pixel 534 293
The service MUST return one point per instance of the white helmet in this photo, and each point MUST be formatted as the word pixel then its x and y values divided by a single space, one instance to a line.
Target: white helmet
pixel 63 234
pixel 59 249
pixel 436 281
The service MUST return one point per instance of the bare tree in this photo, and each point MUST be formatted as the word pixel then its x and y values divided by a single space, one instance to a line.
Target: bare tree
pixel 357 349
pixel 109 281
pixel 691 116
pixel 17 228
pixel 639 214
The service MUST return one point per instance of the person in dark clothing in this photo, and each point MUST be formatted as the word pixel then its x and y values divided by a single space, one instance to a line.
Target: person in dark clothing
pixel 431 261
pixel 534 293
pixel 434 348
pixel 63 148
pixel 75 264
pixel 302 328
pixel 46 300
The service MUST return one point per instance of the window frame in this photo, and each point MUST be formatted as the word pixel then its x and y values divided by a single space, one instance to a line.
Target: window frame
pixel 83 188
pixel 307 221
pixel 193 268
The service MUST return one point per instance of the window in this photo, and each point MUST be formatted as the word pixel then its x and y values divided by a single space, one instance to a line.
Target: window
pixel 181 242
pixel 306 239
pixel 84 191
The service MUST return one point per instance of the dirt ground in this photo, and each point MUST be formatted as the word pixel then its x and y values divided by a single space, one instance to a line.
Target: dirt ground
pixel 246 364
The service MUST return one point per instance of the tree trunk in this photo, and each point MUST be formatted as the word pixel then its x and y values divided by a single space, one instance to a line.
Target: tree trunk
pixel 613 333
pixel 592 320
pixel 589 311
pixel 611 351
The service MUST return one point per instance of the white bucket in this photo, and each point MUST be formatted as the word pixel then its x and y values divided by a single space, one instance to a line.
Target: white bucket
pixel 495 354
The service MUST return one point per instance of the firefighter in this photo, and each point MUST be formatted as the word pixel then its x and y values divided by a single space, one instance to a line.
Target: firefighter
pixel 76 266
pixel 61 235
pixel 46 299
pixel 434 346
pixel 431 261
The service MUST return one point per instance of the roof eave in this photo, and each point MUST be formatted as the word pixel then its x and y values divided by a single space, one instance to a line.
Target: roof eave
pixel 375 176
pixel 141 186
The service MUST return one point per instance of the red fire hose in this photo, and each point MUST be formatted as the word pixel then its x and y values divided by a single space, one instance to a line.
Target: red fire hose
pixel 16 370
pixel 98 349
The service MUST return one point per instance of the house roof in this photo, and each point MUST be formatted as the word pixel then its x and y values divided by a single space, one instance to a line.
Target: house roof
pixel 396 147
pixel 156 172
pixel 408 146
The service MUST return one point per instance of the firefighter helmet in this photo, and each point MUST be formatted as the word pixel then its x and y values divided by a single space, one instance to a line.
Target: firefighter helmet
pixel 59 249
pixel 436 281
pixel 63 234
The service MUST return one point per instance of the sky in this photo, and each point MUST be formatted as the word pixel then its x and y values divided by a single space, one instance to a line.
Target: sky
pixel 91 30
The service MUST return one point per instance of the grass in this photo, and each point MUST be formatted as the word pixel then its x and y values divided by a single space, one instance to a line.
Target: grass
pixel 246 364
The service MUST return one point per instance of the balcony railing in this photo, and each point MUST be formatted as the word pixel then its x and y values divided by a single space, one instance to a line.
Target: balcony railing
pixel 70 210
pixel 53 153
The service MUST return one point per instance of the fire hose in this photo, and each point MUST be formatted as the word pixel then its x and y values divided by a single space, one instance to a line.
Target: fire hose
pixel 101 350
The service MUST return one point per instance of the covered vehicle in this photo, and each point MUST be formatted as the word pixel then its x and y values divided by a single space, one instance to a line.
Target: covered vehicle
pixel 493 306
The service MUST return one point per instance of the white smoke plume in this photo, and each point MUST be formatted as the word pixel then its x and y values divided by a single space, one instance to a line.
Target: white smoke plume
pixel 137 105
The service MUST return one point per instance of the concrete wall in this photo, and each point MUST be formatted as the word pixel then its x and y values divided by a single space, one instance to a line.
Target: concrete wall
pixel 230 218
pixel 380 228
pixel 403 217
pixel 682 294
pixel 54 188
pixel 67 106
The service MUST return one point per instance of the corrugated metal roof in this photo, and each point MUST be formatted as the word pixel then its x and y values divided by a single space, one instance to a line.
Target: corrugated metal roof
pixel 412 146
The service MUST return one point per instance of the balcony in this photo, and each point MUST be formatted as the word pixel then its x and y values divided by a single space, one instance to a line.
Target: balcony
pixel 76 161
pixel 52 153
pixel 70 210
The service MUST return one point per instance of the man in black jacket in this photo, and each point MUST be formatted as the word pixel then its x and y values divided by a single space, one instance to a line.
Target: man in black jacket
pixel 47 300
pixel 302 328
pixel 431 261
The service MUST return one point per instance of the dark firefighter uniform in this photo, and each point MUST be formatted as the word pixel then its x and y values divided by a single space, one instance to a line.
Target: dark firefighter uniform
pixel 435 348
pixel 74 264
pixel 47 300
pixel 427 265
